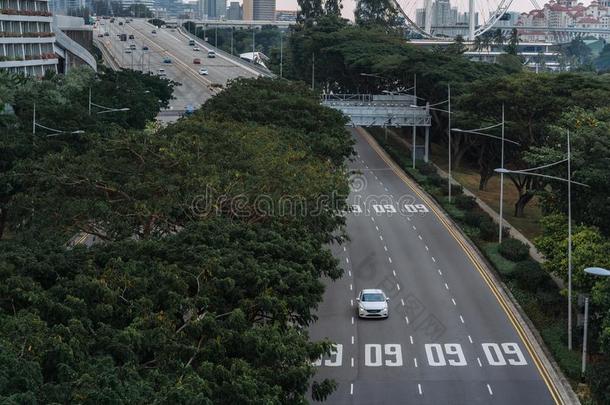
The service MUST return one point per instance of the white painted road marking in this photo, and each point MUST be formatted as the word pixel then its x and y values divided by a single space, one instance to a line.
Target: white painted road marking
pixel 411 339
pixel 351 389
pixel 433 259
pixel 453 300
pixel 402 302
pixel 446 286
pixel 353 340
pixel 398 286
pixel 415 361
pixel 407 319
pixel 489 389
pixel 394 272
pixel 389 259
pixel 419 389
pixel 479 361
pixel 419 236
pixel 469 338
pixel 461 319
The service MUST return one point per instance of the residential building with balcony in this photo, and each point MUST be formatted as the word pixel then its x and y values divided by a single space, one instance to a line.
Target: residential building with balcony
pixel 26 37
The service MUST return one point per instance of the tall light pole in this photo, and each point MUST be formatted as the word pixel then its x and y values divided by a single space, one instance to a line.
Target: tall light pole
pixel 232 29
pixel 414 128
pixel 54 132
pixel 313 70
pixel 480 131
pixel 596 271
pixel 103 108
pixel 528 172
pixel 281 55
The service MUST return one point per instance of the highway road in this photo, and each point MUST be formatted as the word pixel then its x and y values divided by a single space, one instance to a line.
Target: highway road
pixel 172 44
pixel 450 338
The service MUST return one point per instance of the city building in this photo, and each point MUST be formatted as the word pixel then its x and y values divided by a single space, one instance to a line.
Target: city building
pixel 263 10
pixel 566 14
pixel 26 37
pixel 73 43
pixel 212 9
pixel 445 20
pixel 128 3
pixel 286 15
pixel 248 10
pixel 234 12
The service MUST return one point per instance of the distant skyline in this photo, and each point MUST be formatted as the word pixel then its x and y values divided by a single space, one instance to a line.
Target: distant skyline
pixel 349 5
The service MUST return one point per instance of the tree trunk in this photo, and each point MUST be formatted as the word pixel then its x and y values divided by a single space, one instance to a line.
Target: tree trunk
pixel 522 202
pixel 3 216
pixel 484 179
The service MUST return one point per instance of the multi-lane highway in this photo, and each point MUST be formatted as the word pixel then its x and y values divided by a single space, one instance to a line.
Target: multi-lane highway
pixel 452 337
pixel 173 45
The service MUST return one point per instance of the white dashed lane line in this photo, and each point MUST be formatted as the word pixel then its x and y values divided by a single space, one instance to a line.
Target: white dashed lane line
pixel 479 361
pixel 351 389
pixel 394 273
pixel 402 302
pixel 462 318
pixel 407 319
pixel 415 361
pixel 453 300
pixel 470 339
pixel 446 286
pixel 419 389
pixel 489 389
pixel 411 338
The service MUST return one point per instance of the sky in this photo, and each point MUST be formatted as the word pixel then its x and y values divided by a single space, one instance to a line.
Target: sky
pixel 348 5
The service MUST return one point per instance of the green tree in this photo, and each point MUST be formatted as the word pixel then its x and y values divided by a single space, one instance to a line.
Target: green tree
pixel 377 13
pixel 513 42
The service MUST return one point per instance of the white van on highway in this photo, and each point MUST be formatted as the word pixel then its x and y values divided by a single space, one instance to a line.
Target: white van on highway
pixel 211 54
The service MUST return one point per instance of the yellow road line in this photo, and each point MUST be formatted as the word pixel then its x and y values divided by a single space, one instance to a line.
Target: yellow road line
pixel 472 256
pixel 81 239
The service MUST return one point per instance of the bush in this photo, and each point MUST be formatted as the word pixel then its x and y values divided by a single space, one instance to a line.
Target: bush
pixel 456 189
pixel 474 218
pixel 434 179
pixel 598 376
pixel 488 230
pixel 529 276
pixel 465 202
pixel 514 250
pixel 427 169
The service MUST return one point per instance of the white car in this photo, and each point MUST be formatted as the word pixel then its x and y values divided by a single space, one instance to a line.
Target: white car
pixel 196 48
pixel 161 72
pixel 203 71
pixel 372 303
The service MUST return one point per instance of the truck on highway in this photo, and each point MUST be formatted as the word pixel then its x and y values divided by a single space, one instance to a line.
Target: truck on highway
pixel 123 37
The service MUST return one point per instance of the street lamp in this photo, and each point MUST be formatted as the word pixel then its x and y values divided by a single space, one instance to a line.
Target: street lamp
pixel 104 108
pixel 54 131
pixel 528 172
pixel 429 106
pixel 480 132
pixel 596 271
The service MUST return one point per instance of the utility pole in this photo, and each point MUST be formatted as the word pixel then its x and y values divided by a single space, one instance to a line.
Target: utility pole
pixel 216 36
pixel 89 100
pixel 232 29
pixel 569 245
pixel 281 54
pixel 253 42
pixel 584 338
pixel 449 122
pixel 313 70
pixel 34 120
pixel 413 129
pixel 501 180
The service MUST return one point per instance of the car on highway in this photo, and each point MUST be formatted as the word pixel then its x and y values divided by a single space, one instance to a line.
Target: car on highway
pixel 153 32
pixel 127 50
pixel 106 34
pixel 132 47
pixel 167 60
pixel 191 42
pixel 144 48
pixel 161 72
pixel 100 35
pixel 197 61
pixel 211 54
pixel 120 22
pixel 372 303
pixel 203 71
pixel 196 48
pixel 131 36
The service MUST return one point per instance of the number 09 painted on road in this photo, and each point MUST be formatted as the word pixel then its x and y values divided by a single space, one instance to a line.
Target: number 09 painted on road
pixel 451 354
pixel 373 357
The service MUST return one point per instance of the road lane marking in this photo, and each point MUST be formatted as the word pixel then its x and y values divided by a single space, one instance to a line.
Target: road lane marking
pixel 349 272
pixel 347 259
pixel 415 361
pixel 440 272
pixel 376 227
pixel 380 237
pixel 419 236
pixel 433 259
pixel 489 389
pixel 351 389
pixel 407 319
pixel 462 318
pixel 352 320
pixel 446 286
pixel 483 272
pixel 453 300
pixel 351 302
pixel 402 302
pixel 389 259
pixel 398 286
pixel 351 287
pixel 394 273
pixel 372 219
pixel 426 246
pixel 352 339
pixel 469 338
pixel 385 248
pixel 414 228
pixel 352 362
pixel 411 339
pixel 344 249
pixel 479 361
pixel 419 389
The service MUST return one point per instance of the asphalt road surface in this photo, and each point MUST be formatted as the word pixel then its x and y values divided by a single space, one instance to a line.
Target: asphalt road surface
pixel 167 43
pixel 448 339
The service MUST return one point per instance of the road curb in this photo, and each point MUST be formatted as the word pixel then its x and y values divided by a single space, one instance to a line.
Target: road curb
pixel 559 381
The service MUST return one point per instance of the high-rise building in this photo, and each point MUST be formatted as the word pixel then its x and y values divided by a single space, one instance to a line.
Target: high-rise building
pixel 248 10
pixel 212 9
pixel 264 10
pixel 26 37
pixel 234 11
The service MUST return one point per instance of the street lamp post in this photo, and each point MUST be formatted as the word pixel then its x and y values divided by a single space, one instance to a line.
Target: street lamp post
pixel 281 55
pixel 596 271
pixel 54 131
pixel 480 131
pixel 414 128
pixel 528 172
pixel 104 108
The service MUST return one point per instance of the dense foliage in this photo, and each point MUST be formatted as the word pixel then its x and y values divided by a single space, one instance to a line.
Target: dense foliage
pixel 208 255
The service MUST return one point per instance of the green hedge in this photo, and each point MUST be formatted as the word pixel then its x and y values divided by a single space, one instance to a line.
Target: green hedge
pixel 514 250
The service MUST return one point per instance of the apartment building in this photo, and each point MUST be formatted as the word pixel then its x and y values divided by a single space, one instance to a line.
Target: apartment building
pixel 26 37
